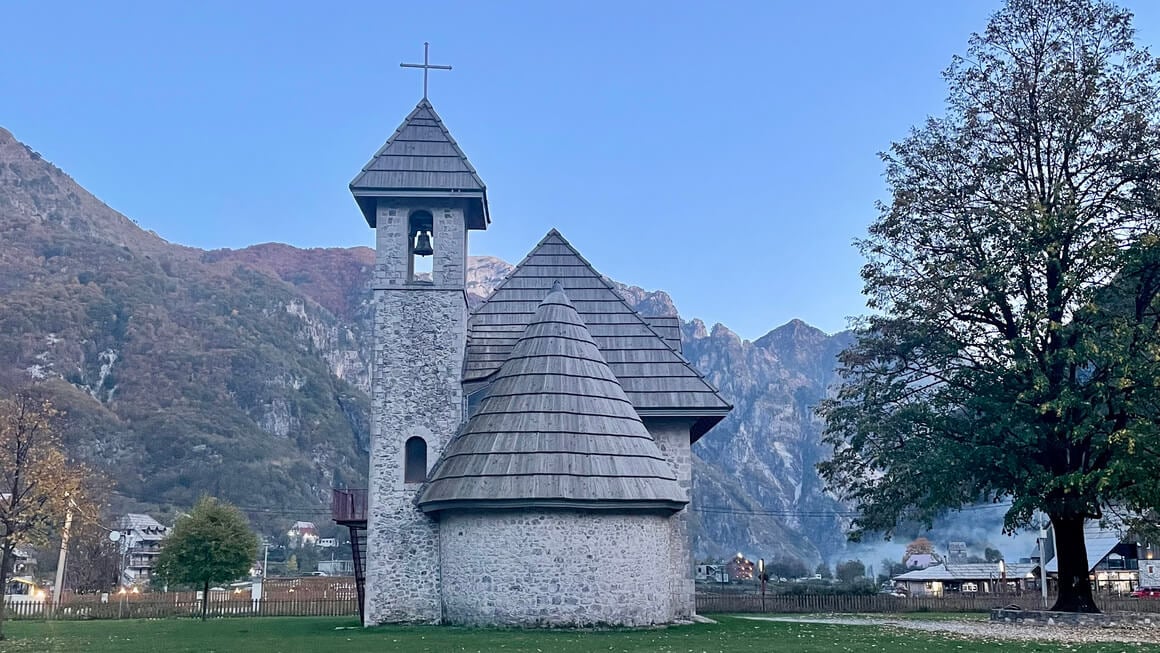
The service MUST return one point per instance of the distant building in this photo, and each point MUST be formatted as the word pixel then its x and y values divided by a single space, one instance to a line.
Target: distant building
pixel 303 533
pixel 712 573
pixel 1114 559
pixel 141 538
pixel 336 567
pixel 740 569
pixel 921 561
pixel 970 578
pixel 957 553
pixel 1149 573
pixel 23 562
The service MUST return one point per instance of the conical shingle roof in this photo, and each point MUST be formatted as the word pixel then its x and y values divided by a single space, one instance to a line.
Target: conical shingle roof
pixel 555 430
pixel 421 159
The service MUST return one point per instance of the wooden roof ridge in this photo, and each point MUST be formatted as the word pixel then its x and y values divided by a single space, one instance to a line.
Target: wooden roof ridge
pixel 604 458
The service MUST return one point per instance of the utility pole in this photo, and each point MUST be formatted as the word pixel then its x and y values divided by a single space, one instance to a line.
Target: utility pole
pixel 763 577
pixel 58 586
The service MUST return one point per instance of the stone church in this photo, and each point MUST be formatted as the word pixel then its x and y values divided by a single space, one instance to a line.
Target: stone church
pixel 530 458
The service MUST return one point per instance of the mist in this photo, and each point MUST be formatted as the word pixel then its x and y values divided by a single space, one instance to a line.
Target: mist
pixel 980 527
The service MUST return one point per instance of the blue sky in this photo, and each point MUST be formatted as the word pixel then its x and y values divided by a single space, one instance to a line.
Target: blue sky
pixel 722 151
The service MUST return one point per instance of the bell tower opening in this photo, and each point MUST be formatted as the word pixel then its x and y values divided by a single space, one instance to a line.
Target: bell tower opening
pixel 420 249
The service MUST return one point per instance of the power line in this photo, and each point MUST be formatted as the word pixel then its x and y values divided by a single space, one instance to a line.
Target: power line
pixel 726 510
pixel 712 510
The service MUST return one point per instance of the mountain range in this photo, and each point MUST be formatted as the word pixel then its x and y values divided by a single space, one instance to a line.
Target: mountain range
pixel 244 373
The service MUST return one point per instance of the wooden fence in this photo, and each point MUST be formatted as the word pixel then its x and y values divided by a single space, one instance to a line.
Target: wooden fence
pixel 145 608
pixel 726 603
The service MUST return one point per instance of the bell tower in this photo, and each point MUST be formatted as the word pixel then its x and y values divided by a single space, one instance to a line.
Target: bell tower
pixel 422 197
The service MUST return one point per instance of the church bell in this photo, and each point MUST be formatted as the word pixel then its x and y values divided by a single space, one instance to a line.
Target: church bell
pixel 423 244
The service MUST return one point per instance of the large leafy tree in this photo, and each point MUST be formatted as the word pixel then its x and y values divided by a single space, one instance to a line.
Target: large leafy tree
pixel 38 482
pixel 212 544
pixel 1013 274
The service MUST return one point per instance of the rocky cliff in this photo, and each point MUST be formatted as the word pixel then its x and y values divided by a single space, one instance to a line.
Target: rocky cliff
pixel 244 373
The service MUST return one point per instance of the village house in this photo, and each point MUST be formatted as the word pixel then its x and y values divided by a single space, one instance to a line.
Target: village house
pixel 23 561
pixel 946 579
pixel 1115 557
pixel 921 561
pixel 711 572
pixel 740 568
pixel 303 533
pixel 140 541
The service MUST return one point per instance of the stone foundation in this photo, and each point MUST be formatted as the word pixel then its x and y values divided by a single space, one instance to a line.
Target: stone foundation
pixel 555 568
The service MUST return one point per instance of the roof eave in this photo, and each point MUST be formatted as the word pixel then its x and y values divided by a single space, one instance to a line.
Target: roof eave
pixel 477 217
pixel 604 505
pixel 704 418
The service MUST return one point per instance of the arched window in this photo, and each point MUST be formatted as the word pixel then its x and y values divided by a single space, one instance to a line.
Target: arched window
pixel 415 460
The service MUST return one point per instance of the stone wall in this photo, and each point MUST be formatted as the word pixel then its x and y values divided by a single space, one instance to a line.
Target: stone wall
pixel 554 568
pixel 420 336
pixel 672 436
pixel 1049 618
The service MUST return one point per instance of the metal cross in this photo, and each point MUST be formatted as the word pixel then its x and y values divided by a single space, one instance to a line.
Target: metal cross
pixel 426 65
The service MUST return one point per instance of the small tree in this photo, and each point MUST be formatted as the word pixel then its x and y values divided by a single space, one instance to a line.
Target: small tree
pixel 850 571
pixel 992 555
pixel 823 570
pixel 37 481
pixel 920 546
pixel 212 544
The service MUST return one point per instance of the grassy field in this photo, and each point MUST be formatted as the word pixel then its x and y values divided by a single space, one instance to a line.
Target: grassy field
pixel 337 635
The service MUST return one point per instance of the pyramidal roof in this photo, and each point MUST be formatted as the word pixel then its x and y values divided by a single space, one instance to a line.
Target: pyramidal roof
pixel 554 430
pixel 421 159
pixel 655 377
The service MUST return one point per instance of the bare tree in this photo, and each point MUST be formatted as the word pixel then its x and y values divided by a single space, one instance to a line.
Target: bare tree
pixel 36 478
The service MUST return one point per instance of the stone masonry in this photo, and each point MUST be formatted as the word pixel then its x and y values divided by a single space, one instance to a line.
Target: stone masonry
pixel 420 336
pixel 555 568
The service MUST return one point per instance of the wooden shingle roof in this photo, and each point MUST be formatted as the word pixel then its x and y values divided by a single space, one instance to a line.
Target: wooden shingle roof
pixel 555 429
pixel 654 375
pixel 421 159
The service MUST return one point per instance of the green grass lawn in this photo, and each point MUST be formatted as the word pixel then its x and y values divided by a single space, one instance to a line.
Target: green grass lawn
pixel 330 635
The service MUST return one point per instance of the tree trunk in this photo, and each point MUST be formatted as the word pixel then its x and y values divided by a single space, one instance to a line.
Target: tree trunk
pixel 5 563
pixel 204 600
pixel 1075 585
